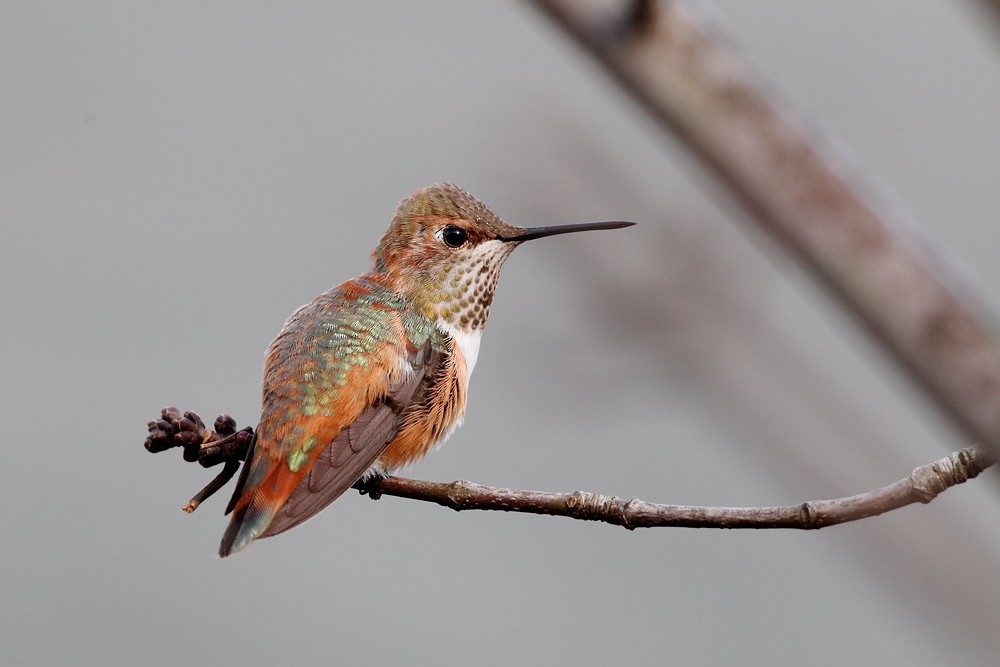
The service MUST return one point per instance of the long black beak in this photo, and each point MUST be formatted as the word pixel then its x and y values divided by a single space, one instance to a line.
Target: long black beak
pixel 538 232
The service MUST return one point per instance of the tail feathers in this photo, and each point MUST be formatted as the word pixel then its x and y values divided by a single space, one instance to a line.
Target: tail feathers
pixel 251 511
pixel 241 482
pixel 248 522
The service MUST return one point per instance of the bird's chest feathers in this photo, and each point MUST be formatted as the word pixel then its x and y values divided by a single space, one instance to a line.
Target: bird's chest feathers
pixel 440 410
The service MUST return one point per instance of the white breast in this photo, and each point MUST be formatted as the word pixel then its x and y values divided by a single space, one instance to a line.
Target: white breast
pixel 468 344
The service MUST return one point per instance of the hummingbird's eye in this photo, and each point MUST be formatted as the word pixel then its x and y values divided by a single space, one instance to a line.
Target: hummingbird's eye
pixel 454 237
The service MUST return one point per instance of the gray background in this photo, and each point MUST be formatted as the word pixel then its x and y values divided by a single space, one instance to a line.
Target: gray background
pixel 176 178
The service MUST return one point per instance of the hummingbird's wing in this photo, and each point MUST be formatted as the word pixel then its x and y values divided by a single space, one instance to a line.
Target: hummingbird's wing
pixel 350 454
pixel 337 382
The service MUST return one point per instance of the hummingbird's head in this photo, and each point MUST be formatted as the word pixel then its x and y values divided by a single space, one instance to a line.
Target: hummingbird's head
pixel 444 251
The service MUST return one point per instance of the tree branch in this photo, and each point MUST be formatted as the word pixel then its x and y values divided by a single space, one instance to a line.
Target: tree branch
pixel 211 448
pixel 922 486
pixel 691 79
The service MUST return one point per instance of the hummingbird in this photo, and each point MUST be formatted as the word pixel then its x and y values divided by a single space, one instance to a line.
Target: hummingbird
pixel 373 374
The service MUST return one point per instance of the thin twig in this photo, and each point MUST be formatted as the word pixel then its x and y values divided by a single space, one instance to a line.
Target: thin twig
pixel 219 481
pixel 691 79
pixel 922 486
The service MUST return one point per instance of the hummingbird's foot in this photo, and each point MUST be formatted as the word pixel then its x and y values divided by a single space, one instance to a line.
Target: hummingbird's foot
pixel 369 486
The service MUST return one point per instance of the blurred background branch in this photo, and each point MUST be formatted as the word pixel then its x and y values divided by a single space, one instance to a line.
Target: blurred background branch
pixel 690 78
pixel 994 4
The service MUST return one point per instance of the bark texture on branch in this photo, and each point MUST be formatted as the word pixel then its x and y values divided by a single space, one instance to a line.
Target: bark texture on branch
pixel 692 80
pixel 922 486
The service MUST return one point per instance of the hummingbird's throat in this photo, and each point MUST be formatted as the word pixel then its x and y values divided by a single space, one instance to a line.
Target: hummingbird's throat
pixel 460 292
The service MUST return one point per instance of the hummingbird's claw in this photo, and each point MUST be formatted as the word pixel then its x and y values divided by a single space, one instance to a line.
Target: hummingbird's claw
pixel 368 486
